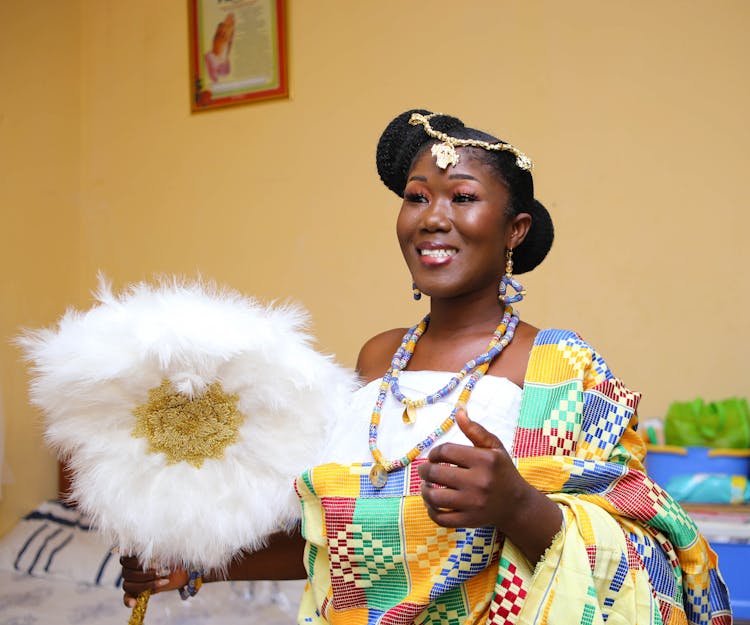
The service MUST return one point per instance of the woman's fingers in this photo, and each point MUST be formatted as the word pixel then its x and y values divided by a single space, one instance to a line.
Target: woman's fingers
pixel 461 466
pixel 469 485
pixel 476 433
pixel 454 488
pixel 484 445
pixel 137 580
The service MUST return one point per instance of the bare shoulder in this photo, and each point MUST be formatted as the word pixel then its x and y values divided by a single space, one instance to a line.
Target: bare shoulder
pixel 526 335
pixel 376 354
pixel 515 358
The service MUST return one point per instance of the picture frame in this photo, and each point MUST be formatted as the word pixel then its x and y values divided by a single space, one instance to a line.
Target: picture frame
pixel 237 52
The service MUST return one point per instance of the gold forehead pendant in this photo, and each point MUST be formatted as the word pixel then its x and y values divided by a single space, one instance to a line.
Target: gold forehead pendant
pixel 445 154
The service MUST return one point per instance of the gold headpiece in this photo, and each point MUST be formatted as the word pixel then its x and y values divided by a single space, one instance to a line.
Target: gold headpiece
pixel 445 153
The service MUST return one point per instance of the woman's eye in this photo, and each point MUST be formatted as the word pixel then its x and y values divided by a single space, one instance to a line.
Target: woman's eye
pixel 464 197
pixel 415 197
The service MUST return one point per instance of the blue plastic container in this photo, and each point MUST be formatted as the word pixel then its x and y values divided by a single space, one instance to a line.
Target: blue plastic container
pixel 664 462
pixel 733 558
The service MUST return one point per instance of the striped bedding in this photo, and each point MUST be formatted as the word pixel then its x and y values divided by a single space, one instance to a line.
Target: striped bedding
pixel 55 570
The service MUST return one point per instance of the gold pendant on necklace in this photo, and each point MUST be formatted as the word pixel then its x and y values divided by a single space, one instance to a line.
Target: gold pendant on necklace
pixel 378 475
pixel 410 414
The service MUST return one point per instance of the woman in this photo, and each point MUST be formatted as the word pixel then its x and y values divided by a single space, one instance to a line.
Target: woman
pixel 534 505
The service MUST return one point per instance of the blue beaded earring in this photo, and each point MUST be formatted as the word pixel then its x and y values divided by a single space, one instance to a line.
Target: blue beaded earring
pixel 508 280
pixel 415 292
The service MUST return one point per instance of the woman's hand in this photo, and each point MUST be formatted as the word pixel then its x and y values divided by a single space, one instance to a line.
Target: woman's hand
pixel 281 558
pixel 136 580
pixel 481 486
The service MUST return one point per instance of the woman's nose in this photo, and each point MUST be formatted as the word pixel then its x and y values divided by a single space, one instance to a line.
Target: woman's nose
pixel 436 216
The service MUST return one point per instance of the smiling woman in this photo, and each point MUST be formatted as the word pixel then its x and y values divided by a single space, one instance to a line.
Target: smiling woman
pixel 455 225
pixel 512 490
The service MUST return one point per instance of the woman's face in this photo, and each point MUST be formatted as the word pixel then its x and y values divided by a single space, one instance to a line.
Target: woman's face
pixel 453 226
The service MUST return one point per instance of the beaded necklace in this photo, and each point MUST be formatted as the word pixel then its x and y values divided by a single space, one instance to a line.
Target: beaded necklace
pixel 478 366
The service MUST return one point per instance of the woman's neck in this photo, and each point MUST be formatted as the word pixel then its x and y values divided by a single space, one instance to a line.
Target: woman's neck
pixel 457 333
pixel 456 317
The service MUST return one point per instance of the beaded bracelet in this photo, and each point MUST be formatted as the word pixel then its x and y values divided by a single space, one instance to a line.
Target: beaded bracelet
pixel 194 583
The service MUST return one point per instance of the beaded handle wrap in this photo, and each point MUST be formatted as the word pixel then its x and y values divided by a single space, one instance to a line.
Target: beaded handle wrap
pixel 195 581
pixel 139 610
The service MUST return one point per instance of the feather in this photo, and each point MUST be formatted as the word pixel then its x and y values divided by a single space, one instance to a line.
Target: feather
pixel 94 377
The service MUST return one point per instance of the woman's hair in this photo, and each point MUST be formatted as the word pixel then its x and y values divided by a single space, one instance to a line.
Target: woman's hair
pixel 401 143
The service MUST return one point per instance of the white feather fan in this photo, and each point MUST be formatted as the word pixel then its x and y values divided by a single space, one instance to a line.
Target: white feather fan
pixel 185 411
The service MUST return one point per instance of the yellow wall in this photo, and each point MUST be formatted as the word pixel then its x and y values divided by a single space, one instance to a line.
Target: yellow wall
pixel 633 113
pixel 40 251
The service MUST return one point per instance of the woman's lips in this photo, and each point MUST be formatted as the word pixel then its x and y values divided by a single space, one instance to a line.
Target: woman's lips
pixel 433 256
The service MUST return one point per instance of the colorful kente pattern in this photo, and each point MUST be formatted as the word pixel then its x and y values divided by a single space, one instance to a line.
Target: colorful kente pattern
pixel 627 552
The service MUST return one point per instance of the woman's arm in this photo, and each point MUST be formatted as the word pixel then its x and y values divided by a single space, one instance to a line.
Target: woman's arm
pixel 280 559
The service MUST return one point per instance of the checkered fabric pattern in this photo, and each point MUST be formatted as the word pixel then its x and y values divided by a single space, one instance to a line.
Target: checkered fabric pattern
pixel 383 559
pixel 626 547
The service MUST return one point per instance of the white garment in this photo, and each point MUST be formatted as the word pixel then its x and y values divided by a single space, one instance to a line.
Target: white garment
pixel 495 403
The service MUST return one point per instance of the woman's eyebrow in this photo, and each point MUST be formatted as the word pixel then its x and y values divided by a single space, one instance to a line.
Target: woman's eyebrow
pixel 451 177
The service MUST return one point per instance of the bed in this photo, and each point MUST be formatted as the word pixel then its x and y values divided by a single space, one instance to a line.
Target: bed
pixel 55 570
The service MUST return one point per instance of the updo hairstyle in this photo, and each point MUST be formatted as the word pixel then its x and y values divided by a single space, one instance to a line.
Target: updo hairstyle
pixel 402 143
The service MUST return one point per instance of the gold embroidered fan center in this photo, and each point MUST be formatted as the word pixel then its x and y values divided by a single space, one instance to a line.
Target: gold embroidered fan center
pixel 189 429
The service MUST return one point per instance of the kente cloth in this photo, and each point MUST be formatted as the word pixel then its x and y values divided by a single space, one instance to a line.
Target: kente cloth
pixel 627 552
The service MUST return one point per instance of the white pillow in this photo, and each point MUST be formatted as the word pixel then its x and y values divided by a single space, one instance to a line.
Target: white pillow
pixel 56 541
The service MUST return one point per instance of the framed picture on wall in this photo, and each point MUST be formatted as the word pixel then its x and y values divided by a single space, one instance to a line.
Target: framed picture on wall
pixel 237 52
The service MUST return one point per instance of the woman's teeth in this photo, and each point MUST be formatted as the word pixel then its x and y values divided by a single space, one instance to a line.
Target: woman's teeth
pixel 437 253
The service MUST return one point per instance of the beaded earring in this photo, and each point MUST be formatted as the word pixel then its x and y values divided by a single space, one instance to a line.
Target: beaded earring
pixel 415 292
pixel 509 280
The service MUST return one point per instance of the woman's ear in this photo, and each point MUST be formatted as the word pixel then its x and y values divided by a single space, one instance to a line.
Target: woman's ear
pixel 518 228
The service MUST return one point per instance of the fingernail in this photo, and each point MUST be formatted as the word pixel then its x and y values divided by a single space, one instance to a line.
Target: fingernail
pixel 131 603
pixel 162 573
pixel 162 582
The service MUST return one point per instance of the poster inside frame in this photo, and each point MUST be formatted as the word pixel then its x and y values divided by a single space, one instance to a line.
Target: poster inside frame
pixel 237 52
